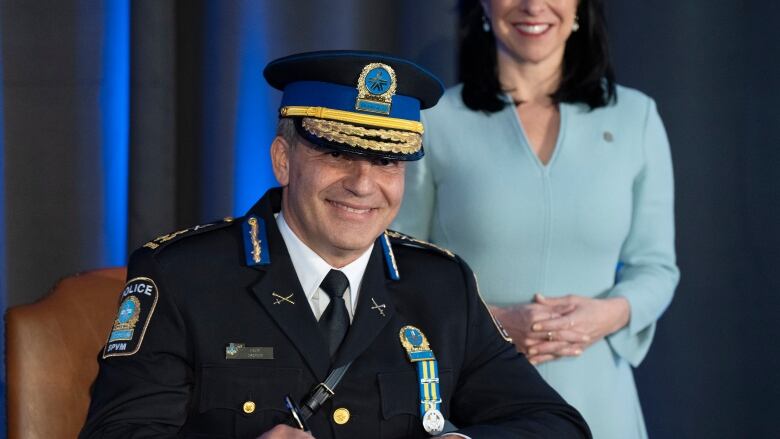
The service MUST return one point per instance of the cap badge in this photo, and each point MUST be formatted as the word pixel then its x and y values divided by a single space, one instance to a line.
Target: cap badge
pixel 376 87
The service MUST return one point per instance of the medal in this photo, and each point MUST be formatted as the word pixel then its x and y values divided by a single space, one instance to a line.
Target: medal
pixel 419 352
pixel 433 422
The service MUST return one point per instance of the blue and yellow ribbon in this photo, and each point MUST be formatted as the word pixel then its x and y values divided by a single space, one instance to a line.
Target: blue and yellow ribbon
pixel 430 397
pixel 419 351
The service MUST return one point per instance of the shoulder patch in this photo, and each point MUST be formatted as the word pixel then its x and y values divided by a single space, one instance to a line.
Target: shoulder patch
pixel 136 306
pixel 162 241
pixel 403 239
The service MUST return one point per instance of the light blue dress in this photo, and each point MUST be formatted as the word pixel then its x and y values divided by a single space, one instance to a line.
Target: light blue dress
pixel 605 198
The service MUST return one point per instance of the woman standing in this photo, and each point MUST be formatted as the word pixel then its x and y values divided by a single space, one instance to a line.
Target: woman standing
pixel 555 184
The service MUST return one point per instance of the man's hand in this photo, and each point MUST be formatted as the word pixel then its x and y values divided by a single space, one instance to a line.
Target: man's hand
pixel 285 432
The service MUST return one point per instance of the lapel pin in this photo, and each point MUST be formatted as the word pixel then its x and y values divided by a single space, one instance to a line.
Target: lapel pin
pixel 280 298
pixel 378 307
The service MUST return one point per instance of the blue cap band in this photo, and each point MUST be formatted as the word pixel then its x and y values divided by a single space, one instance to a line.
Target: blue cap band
pixel 341 97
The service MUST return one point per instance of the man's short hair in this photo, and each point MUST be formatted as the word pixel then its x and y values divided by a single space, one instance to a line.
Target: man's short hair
pixel 285 129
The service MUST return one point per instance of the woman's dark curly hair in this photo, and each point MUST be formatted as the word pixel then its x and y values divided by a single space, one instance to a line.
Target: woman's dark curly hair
pixel 587 69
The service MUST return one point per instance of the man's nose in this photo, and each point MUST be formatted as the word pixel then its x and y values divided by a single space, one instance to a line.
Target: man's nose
pixel 360 177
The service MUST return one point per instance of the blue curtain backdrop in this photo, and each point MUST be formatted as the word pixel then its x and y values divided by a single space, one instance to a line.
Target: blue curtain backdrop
pixel 122 120
pixel 3 273
pixel 115 122
pixel 253 104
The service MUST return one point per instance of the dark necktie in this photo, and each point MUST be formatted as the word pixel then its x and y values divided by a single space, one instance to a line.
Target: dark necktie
pixel 334 322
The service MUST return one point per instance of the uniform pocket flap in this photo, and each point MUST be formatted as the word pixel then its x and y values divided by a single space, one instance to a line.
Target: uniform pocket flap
pixel 400 392
pixel 247 389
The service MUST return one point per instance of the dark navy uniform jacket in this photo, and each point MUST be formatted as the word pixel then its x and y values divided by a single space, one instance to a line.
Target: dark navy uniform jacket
pixel 198 294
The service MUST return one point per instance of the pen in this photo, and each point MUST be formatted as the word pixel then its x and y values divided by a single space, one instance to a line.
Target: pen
pixel 296 413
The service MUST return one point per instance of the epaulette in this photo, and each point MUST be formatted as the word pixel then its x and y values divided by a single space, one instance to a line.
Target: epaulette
pixel 407 240
pixel 161 241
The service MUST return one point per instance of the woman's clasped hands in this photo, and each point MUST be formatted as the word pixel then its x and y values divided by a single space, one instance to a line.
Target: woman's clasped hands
pixel 551 328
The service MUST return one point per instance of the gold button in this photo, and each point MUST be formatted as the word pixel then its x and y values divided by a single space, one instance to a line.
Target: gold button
pixel 341 416
pixel 249 407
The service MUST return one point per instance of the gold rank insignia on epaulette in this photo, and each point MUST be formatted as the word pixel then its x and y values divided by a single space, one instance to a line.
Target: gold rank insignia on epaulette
pixel 164 240
pixel 408 240
pixel 255 241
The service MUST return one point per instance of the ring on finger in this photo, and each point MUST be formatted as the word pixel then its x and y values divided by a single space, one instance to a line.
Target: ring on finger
pixel 550 336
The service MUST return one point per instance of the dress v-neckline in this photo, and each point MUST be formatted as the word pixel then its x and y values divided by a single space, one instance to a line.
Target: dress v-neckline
pixel 520 133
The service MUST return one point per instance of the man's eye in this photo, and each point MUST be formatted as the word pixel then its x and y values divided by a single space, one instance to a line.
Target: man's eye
pixel 385 162
pixel 335 154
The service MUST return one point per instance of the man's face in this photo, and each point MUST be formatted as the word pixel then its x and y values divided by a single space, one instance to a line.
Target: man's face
pixel 336 203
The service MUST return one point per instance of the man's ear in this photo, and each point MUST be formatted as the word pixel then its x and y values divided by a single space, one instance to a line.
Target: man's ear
pixel 280 160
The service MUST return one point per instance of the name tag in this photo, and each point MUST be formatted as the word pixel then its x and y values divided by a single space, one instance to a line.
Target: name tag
pixel 237 351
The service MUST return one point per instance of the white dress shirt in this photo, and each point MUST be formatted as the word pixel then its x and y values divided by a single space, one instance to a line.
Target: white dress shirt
pixel 312 269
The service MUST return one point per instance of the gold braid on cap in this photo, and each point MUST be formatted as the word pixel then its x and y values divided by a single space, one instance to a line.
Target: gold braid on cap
pixel 403 142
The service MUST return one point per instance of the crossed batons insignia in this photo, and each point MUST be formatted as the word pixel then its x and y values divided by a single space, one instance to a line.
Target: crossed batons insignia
pixel 288 299
pixel 281 299
pixel 378 307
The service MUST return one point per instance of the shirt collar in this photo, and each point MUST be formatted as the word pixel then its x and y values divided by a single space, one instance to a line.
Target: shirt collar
pixel 312 269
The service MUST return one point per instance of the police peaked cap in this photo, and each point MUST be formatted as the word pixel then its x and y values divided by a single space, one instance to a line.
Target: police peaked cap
pixel 364 103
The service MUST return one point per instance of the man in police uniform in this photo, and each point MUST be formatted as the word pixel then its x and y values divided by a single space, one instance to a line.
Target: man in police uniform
pixel 306 317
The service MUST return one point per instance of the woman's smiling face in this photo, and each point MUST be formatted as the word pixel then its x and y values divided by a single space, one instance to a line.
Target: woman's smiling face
pixel 531 31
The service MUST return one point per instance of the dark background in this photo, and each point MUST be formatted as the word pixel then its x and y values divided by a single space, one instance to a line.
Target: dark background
pixel 199 118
